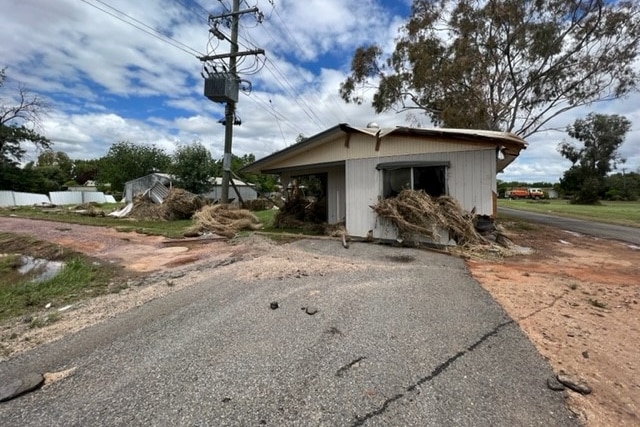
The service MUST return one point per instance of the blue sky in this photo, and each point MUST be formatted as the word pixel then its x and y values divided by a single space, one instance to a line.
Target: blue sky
pixel 107 81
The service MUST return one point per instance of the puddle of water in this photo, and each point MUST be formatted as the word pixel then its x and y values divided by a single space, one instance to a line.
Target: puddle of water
pixel 42 269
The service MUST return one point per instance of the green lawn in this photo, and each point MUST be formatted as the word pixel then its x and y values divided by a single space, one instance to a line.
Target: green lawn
pixel 171 229
pixel 622 213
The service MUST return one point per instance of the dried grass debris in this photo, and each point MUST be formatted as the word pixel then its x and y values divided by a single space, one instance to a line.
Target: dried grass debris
pixel 181 204
pixel 224 220
pixel 414 212
pixel 144 209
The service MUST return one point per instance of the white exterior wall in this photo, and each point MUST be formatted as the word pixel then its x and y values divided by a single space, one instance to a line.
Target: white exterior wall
pixel 336 195
pixel 470 179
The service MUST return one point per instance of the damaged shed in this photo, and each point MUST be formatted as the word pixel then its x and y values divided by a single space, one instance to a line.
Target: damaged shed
pixel 357 167
pixel 157 184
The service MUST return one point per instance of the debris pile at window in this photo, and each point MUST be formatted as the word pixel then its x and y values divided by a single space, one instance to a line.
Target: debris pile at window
pixel 414 212
pixel 300 212
pixel 223 220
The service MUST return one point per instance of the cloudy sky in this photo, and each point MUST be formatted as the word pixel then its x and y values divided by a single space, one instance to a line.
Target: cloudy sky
pixel 114 70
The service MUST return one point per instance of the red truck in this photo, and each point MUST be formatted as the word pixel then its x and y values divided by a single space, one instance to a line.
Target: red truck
pixel 524 193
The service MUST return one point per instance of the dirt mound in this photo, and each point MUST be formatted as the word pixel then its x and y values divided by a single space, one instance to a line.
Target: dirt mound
pixel 224 220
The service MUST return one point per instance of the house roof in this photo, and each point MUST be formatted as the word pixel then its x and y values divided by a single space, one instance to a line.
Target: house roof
pixel 509 143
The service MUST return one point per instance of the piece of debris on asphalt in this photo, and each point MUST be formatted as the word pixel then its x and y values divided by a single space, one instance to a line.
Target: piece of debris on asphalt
pixel 19 386
pixel 52 377
pixel 554 384
pixel 274 305
pixel 573 383
pixel 311 310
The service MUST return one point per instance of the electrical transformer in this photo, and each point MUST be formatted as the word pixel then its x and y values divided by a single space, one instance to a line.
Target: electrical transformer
pixel 221 88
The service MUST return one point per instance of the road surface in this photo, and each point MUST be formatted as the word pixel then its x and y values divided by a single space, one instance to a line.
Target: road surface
pixel 397 337
pixel 590 228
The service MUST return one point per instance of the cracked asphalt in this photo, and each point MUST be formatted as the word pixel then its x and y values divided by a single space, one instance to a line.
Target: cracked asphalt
pixel 410 340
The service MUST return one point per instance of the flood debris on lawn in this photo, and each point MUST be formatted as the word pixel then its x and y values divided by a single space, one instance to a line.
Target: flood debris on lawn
pixel 223 220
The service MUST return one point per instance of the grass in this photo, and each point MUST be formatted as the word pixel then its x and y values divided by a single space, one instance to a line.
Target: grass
pixel 170 229
pixel 78 279
pixel 621 213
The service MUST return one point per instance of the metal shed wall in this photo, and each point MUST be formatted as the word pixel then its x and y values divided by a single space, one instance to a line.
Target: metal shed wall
pixel 246 192
pixel 140 185
pixel 470 179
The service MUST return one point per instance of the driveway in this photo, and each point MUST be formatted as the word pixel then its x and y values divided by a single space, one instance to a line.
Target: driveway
pixel 368 336
pixel 590 228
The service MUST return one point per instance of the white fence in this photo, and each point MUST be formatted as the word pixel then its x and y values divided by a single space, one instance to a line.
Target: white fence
pixel 15 198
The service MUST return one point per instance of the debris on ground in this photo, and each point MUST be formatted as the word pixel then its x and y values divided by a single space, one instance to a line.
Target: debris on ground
pixel 144 209
pixel 224 220
pixel 181 204
pixel 574 383
pixel 88 209
pixel 260 204
pixel 414 212
pixel 299 212
pixel 178 204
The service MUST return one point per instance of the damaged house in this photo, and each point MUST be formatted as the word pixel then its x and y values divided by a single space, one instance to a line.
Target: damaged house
pixel 357 167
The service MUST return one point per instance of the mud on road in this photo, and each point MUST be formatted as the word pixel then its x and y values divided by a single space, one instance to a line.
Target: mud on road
pixel 576 297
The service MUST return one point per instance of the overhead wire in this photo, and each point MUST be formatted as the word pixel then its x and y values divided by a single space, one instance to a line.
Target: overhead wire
pixel 318 100
pixel 145 28
pixel 288 87
pixel 332 97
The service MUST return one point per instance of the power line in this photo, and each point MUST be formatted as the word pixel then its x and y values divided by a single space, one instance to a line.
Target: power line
pixel 153 32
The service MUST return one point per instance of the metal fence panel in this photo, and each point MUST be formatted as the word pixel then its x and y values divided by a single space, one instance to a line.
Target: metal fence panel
pixel 93 197
pixel 29 199
pixel 66 197
pixel 6 199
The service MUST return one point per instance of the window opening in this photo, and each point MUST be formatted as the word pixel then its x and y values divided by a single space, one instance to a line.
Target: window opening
pixel 431 179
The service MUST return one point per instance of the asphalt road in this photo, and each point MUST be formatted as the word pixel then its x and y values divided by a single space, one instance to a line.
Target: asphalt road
pixel 407 338
pixel 596 229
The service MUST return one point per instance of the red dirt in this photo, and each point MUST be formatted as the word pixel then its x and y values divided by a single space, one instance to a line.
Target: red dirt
pixel 578 300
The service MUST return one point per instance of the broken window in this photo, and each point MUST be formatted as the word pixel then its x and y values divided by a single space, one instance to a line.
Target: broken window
pixel 427 176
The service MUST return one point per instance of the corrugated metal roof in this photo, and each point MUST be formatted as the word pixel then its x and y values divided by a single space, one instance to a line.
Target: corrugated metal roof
pixel 237 182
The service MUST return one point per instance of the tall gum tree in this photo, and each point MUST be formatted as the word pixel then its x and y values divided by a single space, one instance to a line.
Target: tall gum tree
pixel 508 65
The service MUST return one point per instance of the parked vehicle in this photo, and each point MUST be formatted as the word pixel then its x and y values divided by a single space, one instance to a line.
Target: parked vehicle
pixel 524 193
pixel 536 193
pixel 517 193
